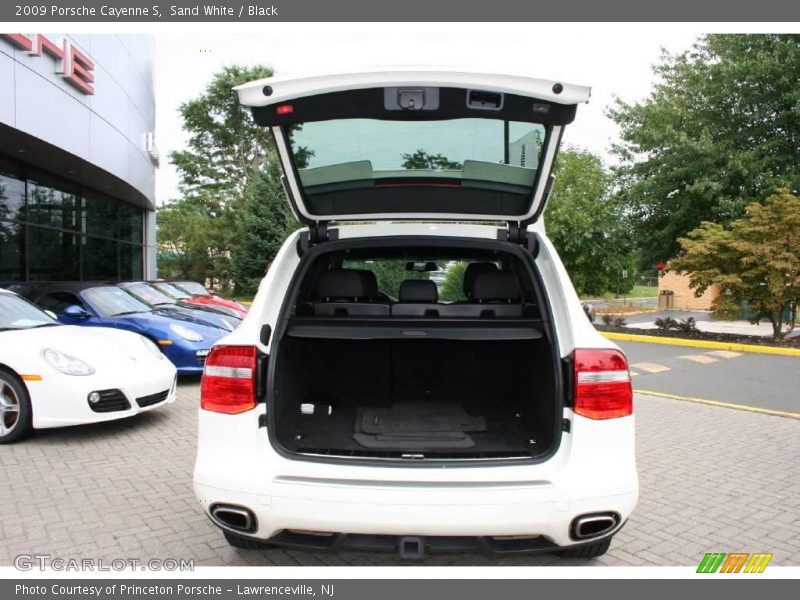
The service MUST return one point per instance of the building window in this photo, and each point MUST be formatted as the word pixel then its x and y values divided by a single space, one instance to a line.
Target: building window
pixel 12 252
pixel 99 259
pixel 131 261
pixel 53 230
pixel 131 220
pixel 53 255
pixel 52 206
pixel 12 193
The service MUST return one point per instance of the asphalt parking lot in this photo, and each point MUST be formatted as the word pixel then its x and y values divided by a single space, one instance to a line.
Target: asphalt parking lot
pixel 763 382
pixel 712 479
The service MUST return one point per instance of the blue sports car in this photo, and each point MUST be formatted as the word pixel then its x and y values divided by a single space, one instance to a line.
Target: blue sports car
pixel 169 307
pixel 90 304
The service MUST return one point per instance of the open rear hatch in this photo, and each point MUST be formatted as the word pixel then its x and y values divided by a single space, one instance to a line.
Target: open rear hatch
pixel 420 145
pixel 372 375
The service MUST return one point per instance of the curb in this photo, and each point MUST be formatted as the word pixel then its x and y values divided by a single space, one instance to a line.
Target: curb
pixel 735 347
pixel 719 404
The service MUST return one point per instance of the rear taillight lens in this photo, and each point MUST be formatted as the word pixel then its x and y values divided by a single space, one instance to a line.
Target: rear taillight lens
pixel 602 384
pixel 229 380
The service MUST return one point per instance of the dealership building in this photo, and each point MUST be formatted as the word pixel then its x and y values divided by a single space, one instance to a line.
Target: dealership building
pixel 77 157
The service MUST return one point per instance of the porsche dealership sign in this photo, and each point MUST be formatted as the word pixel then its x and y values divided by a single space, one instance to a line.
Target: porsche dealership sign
pixel 72 64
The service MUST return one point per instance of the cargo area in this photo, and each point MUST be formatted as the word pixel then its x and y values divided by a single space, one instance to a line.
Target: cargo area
pixel 439 398
pixel 375 363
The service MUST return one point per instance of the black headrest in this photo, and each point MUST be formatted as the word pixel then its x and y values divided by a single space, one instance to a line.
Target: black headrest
pixel 419 291
pixel 341 284
pixel 496 286
pixel 472 271
pixel 370 284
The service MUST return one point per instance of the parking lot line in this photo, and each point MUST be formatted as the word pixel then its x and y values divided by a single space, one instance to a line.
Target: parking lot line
pixel 703 359
pixel 718 403
pixel 650 367
pixel 724 353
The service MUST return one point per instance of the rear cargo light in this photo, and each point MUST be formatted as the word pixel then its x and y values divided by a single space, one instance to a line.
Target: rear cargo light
pixel 602 384
pixel 229 380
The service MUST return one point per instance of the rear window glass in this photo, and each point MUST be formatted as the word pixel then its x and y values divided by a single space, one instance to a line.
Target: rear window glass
pixel 483 153
pixel 390 273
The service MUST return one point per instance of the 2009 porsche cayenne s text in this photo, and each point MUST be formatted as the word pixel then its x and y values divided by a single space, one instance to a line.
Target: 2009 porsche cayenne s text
pixel 416 373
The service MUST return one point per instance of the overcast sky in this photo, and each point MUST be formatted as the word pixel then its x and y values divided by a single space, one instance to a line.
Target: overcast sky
pixel 612 59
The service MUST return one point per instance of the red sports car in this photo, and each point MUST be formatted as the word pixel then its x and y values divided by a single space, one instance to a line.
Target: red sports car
pixel 191 292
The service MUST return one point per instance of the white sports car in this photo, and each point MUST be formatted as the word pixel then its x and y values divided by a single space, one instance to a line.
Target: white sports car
pixel 52 375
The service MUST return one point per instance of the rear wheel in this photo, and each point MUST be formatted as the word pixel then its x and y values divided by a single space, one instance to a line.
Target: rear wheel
pixel 238 541
pixel 15 409
pixel 588 551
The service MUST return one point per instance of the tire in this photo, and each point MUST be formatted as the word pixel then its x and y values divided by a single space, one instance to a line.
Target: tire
pixel 16 415
pixel 588 551
pixel 243 543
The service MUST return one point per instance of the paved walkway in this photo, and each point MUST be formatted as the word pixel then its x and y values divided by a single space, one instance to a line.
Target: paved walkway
pixel 712 479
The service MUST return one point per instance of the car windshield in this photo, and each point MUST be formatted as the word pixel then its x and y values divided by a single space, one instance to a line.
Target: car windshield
pixel 114 302
pixel 193 288
pixel 148 294
pixel 171 290
pixel 486 154
pixel 16 313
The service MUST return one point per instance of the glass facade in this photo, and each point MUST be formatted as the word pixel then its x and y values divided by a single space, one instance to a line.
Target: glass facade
pixel 54 230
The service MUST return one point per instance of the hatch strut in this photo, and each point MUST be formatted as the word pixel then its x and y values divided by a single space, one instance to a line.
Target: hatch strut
pixel 517 233
pixel 318 232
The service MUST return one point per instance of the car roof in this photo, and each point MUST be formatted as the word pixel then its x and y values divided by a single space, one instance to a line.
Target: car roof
pixel 40 287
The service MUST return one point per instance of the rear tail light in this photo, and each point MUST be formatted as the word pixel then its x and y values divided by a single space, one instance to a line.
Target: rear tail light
pixel 229 380
pixel 602 384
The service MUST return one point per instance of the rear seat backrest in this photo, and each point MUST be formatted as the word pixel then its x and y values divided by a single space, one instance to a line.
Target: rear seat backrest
pixel 348 293
pixel 418 298
pixel 496 286
pixel 421 291
pixel 471 272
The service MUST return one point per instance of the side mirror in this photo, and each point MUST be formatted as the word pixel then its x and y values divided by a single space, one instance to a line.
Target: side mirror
pixel 76 312
pixel 212 293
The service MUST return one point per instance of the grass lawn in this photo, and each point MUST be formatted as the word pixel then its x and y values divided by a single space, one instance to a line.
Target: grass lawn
pixel 638 291
pixel 245 299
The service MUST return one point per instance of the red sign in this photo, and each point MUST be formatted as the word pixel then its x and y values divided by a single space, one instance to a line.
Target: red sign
pixel 660 266
pixel 72 64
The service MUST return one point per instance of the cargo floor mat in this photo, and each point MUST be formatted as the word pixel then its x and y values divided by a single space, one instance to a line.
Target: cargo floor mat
pixel 417 426
pixel 411 417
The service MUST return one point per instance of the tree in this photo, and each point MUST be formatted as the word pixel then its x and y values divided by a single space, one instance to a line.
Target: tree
pixel 191 243
pixel 587 225
pixel 230 190
pixel 719 131
pixel 755 262
pixel 453 286
pixel 262 224
pixel 224 143
pixel 436 162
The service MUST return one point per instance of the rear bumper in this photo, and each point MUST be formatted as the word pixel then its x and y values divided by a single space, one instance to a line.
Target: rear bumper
pixel 479 513
pixel 594 471
pixel 342 542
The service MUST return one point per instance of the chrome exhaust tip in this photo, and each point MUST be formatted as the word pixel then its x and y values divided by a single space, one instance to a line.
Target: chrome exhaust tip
pixel 237 518
pixel 593 525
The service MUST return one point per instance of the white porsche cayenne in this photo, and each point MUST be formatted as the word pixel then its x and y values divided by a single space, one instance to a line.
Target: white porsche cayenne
pixel 52 375
pixel 419 377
